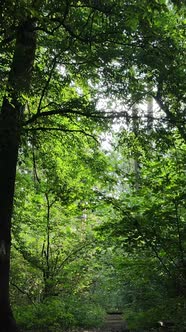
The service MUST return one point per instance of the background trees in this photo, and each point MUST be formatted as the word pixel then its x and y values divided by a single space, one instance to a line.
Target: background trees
pixel 148 223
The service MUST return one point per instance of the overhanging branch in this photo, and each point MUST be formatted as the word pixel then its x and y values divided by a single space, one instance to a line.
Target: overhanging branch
pixel 62 130
pixel 96 115
pixel 66 112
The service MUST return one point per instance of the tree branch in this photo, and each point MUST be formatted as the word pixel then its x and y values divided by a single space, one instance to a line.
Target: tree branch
pixel 65 112
pixel 63 130
pixel 173 119
pixel 46 85
pixel 72 255
pixel 23 292
pixel 181 249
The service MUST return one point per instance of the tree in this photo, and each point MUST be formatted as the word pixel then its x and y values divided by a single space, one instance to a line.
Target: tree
pixel 53 231
pixel 154 66
pixel 18 44
pixel 52 54
pixel 148 222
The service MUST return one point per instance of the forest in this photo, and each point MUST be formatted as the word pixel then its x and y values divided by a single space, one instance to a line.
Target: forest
pixel 92 165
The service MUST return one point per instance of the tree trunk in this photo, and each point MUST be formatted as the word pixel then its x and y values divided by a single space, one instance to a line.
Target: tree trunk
pixel 135 127
pixel 10 129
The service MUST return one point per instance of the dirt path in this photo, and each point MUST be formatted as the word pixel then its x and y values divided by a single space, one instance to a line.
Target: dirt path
pixel 114 322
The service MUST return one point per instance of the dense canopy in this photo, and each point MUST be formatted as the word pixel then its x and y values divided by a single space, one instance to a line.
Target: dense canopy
pixel 92 163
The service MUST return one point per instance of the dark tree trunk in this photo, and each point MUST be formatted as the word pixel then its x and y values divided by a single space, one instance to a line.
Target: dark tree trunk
pixel 10 129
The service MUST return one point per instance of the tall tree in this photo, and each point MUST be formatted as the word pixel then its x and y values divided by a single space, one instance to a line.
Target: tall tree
pixel 63 24
pixel 10 124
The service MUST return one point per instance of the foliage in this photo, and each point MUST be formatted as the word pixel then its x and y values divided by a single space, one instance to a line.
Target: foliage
pixel 44 315
pixel 57 314
pixel 68 70
pixel 148 223
pixel 53 233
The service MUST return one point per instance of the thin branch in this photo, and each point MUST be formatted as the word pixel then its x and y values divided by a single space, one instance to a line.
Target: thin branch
pixel 47 84
pixel 86 23
pixel 65 112
pixel 70 31
pixel 149 244
pixel 179 234
pixel 96 5
pixel 36 177
pixel 55 263
pixel 72 256
pixel 78 36
pixel 63 130
pixel 47 252
pixel 66 11
pixel 171 117
pixel 28 257
pixel 23 292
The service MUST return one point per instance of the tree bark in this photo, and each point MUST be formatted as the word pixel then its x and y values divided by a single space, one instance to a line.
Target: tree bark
pixel 10 130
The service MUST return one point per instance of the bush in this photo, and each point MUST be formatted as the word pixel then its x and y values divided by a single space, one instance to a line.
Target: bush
pixel 50 314
pixel 53 314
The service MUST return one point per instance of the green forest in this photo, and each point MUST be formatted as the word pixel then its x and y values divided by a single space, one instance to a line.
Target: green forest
pixel 92 165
